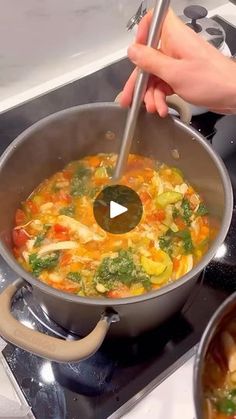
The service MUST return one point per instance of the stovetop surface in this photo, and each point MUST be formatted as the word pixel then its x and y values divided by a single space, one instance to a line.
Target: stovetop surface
pixel 97 387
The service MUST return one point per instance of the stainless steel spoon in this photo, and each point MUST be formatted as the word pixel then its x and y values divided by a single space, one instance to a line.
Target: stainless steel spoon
pixel 159 15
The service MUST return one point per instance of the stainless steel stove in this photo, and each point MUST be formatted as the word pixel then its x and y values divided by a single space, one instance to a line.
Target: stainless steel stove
pixel 108 383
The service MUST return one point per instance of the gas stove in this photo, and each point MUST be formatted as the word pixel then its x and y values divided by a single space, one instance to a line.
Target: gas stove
pixel 114 379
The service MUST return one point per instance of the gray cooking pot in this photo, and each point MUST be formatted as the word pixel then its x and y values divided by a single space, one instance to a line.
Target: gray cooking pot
pixel 218 322
pixel 47 147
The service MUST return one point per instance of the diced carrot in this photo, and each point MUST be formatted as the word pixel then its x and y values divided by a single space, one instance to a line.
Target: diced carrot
pixel 65 259
pixel 156 287
pixel 205 230
pixel 180 223
pixel 148 174
pixel 75 266
pixel 93 161
pixel 176 263
pixel 160 215
pixel 20 217
pixel 190 190
pixel 100 181
pixel 67 174
pixel 120 292
pixel 144 196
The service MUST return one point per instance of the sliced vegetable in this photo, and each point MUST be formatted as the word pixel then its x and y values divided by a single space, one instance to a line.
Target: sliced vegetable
pixel 166 275
pixel 167 198
pixel 100 172
pixel 185 264
pixel 151 267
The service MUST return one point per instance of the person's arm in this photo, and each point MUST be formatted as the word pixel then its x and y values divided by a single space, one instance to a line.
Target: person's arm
pixel 186 65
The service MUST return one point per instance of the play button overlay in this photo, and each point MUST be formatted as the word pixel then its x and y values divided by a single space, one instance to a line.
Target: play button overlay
pixel 117 209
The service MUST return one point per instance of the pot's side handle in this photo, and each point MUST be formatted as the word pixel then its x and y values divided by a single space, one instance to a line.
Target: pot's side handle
pixel 47 346
pixel 178 104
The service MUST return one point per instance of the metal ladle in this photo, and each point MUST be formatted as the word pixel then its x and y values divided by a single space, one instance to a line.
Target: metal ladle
pixel 159 15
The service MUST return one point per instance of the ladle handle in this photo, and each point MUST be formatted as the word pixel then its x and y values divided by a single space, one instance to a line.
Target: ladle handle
pixel 159 15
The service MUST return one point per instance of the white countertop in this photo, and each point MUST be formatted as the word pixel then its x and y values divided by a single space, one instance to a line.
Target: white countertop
pixel 172 399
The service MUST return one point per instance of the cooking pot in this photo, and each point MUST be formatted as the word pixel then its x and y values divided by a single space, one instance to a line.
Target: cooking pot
pixel 217 323
pixel 47 147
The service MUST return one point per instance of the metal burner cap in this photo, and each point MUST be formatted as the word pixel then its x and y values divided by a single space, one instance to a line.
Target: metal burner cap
pixel 211 31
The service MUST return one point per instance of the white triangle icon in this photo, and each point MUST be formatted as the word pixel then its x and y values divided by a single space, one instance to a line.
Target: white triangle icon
pixel 116 209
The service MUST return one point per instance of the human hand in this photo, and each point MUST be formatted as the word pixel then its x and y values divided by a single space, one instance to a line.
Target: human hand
pixel 186 65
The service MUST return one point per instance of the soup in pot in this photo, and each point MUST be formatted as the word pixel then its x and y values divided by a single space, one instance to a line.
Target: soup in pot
pixel 57 239
pixel 219 378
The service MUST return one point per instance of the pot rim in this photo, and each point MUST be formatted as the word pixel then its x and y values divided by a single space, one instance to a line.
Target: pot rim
pixel 153 294
pixel 211 329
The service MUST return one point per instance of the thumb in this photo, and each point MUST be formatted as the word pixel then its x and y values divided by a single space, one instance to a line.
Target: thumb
pixel 153 61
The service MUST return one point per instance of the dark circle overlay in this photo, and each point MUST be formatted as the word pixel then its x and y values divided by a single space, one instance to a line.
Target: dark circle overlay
pixel 121 195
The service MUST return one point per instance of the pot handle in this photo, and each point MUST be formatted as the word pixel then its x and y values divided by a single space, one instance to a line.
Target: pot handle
pixel 46 346
pixel 178 104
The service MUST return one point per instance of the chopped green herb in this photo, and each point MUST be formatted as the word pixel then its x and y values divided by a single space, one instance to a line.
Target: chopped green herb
pixel 41 236
pixel 70 211
pixel 80 181
pixel 82 171
pixel 187 212
pixel 202 209
pixel 74 276
pixel 175 212
pixel 185 235
pixel 38 264
pixel 120 269
pixel 39 239
pixel 165 243
pixel 226 406
pixel 232 393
